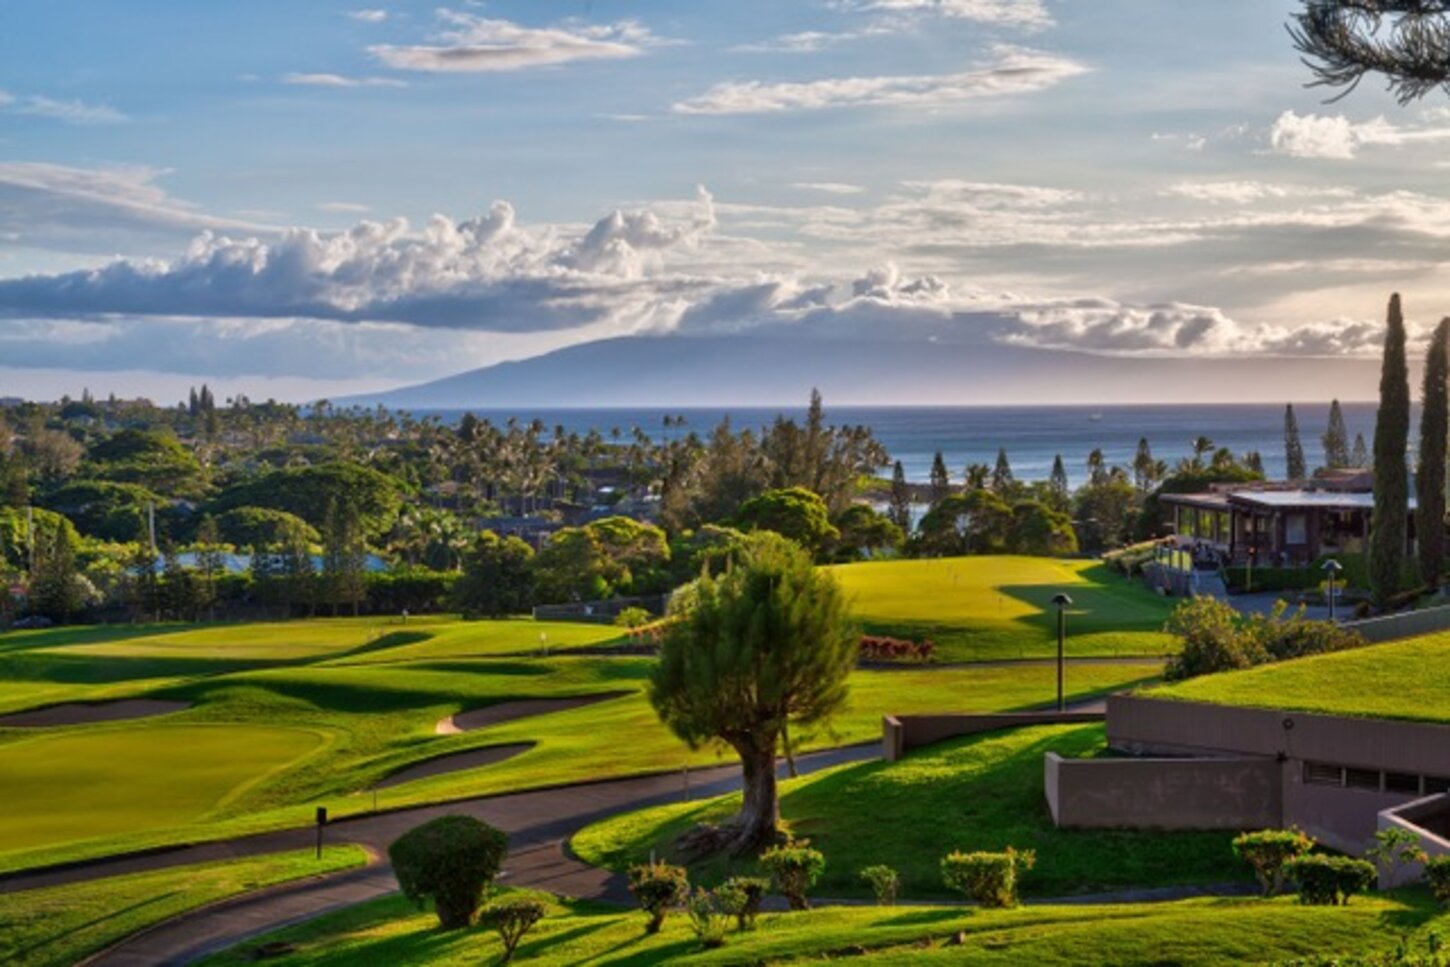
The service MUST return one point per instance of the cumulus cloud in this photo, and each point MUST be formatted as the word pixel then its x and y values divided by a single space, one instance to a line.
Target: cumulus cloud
pixel 1334 137
pixel 340 80
pixel 1008 13
pixel 71 111
pixel 1011 70
pixel 469 43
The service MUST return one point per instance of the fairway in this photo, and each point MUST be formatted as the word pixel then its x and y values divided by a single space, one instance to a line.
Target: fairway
pixel 982 608
pixel 106 782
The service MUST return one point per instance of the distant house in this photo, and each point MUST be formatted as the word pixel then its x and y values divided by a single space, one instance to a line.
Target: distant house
pixel 1279 523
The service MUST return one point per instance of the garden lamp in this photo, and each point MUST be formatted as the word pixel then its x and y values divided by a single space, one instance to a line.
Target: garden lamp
pixel 1062 602
pixel 1332 569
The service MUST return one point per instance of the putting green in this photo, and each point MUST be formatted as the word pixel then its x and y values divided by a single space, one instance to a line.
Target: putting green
pixel 1001 607
pixel 105 782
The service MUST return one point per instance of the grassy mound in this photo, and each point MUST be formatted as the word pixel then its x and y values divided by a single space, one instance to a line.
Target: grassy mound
pixel 1233 931
pixel 978 608
pixel 981 792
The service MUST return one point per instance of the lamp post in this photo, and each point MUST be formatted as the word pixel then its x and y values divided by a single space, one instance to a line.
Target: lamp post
pixel 1062 602
pixel 1332 569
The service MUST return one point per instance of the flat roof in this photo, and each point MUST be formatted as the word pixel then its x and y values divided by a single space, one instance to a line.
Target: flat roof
pixel 1212 501
pixel 1325 499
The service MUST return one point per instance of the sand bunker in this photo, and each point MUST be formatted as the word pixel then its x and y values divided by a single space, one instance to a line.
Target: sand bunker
pixel 457 762
pixel 82 713
pixel 509 711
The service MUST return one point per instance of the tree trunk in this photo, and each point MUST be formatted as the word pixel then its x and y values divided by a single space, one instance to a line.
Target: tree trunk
pixel 759 817
pixel 789 751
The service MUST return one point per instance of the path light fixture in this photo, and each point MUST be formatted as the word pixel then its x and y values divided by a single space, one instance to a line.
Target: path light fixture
pixel 1062 602
pixel 1331 570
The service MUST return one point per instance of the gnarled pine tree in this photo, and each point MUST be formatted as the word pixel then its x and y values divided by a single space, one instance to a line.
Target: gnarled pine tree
pixel 1407 42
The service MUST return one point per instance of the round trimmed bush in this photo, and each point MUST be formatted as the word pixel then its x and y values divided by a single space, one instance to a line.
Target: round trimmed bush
pixel 452 861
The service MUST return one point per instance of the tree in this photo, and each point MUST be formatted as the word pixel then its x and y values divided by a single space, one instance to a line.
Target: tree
pixel 1002 479
pixel 1105 514
pixel 451 860
pixel 1040 531
pixel 977 522
pixel 1058 485
pixel 941 481
pixel 1359 456
pixel 863 530
pixel 1434 435
pixel 53 586
pixel 574 567
pixel 497 578
pixel 344 557
pixel 1336 439
pixel 210 563
pixel 796 513
pixel 1097 466
pixel 143 590
pixel 1295 466
pixel 1391 489
pixel 900 507
pixel 1404 41
pixel 1147 472
pixel 763 647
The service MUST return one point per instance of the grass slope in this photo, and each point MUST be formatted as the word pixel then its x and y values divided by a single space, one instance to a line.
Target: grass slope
pixel 57 926
pixel 978 608
pixel 1214 931
pixel 981 792
pixel 1402 680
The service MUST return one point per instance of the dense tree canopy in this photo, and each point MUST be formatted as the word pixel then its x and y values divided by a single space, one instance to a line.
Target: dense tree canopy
pixel 796 513
pixel 307 491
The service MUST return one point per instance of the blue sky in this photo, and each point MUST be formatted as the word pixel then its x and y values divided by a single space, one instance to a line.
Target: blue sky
pixel 1107 176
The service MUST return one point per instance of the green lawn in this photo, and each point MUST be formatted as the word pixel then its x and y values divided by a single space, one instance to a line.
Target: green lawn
pixel 1401 680
pixel 271 739
pixel 1205 931
pixel 981 792
pixel 58 926
pixel 1000 607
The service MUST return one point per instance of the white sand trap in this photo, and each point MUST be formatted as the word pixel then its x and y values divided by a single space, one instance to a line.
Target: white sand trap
pixel 480 718
pixel 457 762
pixel 82 713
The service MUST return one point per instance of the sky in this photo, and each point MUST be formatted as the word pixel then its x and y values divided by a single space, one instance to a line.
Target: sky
pixel 314 199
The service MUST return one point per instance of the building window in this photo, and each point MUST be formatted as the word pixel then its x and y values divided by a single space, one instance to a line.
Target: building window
pixel 1296 529
pixel 1323 774
pixel 1402 783
pixel 1437 785
pixel 1362 779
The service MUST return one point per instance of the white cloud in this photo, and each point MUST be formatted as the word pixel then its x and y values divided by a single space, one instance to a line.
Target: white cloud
pixel 343 207
pixel 1012 70
pixel 1248 192
pixel 1007 13
pixel 1334 137
pixel 373 16
pixel 476 44
pixel 340 80
pixel 71 112
pixel 829 187
pixel 804 42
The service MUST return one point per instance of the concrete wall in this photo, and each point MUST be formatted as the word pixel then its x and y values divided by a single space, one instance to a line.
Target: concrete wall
pixel 1408 624
pixel 1240 793
pixel 1428 820
pixel 902 733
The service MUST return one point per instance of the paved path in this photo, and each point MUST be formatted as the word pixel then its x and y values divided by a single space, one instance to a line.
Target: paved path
pixel 539 824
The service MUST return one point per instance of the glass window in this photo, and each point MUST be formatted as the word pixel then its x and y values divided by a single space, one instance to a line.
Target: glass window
pixel 1296 529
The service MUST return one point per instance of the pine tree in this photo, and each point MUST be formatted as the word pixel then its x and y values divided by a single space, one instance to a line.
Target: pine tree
pixel 53 590
pixel 1430 480
pixel 1359 457
pixel 941 481
pixel 1391 488
pixel 1336 439
pixel 977 475
pixel 1254 460
pixel 1097 466
pixel 1145 468
pixel 344 557
pixel 1057 483
pixel 209 565
pixel 900 509
pixel 1293 449
pixel 1002 479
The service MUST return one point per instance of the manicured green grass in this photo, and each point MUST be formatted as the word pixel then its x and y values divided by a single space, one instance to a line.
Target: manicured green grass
pixel 978 608
pixel 90 784
pixel 1204 931
pixel 58 926
pixel 1402 680
pixel 978 793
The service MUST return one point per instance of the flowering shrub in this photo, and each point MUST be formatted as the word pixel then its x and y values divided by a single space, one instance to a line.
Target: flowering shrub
pixel 879 648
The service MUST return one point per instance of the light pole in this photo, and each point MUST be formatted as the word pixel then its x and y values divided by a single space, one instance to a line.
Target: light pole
pixel 1332 569
pixel 1062 602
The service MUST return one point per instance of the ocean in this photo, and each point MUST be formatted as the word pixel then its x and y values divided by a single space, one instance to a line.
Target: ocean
pixel 1031 435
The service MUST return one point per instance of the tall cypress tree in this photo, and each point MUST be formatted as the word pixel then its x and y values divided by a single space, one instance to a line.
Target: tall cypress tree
pixel 1145 468
pixel 1359 456
pixel 1391 486
pixel 1057 484
pixel 1430 481
pixel 899 512
pixel 1293 448
pixel 941 480
pixel 1336 439
pixel 1002 479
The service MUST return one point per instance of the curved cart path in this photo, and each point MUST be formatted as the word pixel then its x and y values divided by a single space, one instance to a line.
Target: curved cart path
pixel 539 824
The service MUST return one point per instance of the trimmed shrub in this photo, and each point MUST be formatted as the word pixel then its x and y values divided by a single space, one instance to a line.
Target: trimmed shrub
pixel 658 887
pixel 633 618
pixel 988 878
pixel 1395 848
pixel 451 860
pixel 794 868
pixel 1330 880
pixel 511 918
pixel 741 897
pixel 1437 876
pixel 1268 851
pixel 885 883
pixel 707 918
